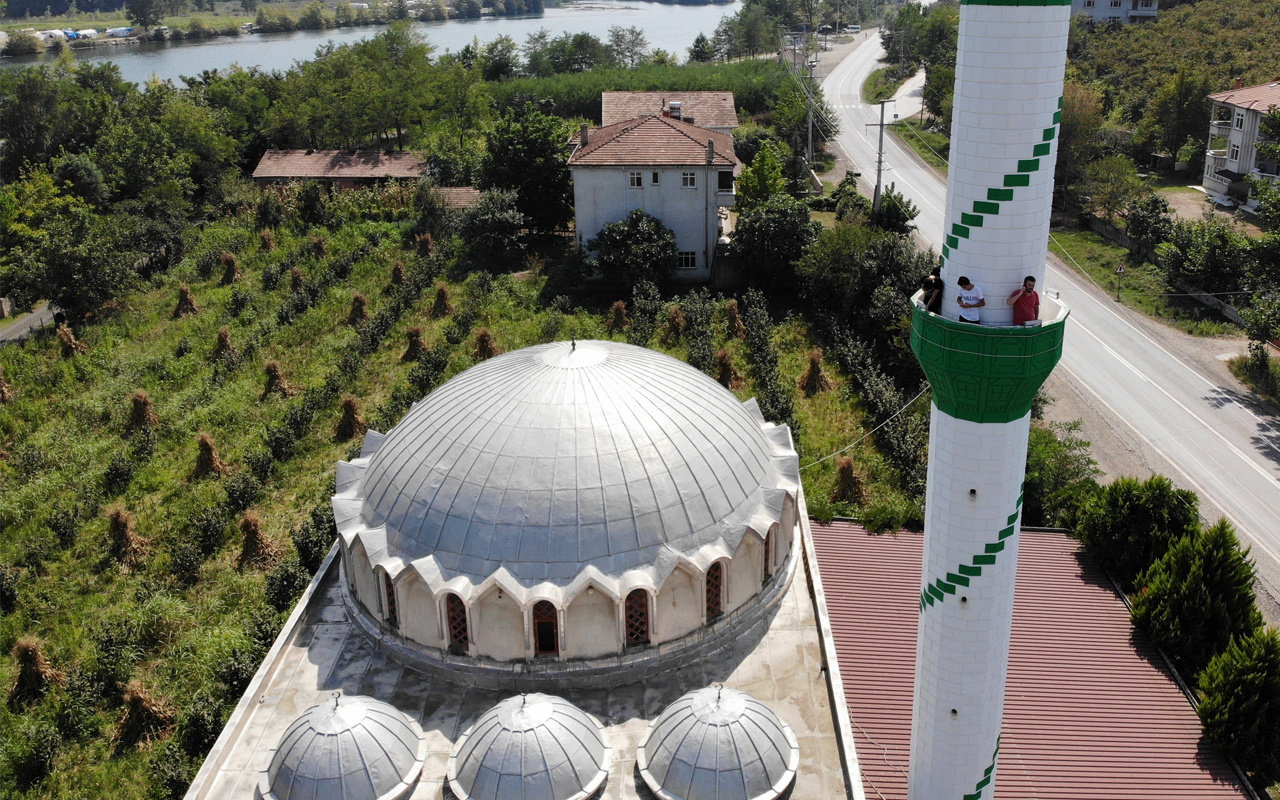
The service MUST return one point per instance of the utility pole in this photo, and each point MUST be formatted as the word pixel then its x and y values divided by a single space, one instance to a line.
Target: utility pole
pixel 809 151
pixel 880 161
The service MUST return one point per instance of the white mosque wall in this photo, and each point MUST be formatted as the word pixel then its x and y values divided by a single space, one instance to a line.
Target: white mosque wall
pixel 746 571
pixel 364 583
pixel 591 625
pixel 498 626
pixel 419 615
pixel 679 607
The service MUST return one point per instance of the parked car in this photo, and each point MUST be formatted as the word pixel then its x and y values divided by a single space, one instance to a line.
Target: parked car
pixel 853 29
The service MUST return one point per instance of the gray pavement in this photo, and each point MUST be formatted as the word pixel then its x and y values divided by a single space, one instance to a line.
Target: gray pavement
pixel 24 325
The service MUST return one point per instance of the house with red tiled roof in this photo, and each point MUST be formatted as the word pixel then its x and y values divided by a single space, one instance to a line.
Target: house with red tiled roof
pixel 681 173
pixel 342 169
pixel 714 110
pixel 1234 134
pixel 1091 711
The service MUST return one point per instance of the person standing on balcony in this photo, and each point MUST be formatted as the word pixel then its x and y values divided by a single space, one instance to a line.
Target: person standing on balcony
pixel 970 299
pixel 1025 302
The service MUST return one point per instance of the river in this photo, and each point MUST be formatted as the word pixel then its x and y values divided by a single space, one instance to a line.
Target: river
pixel 670 27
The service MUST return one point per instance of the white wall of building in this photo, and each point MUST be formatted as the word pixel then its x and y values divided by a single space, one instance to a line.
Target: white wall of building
pixel 604 194
pixel 1235 148
pixel 1125 11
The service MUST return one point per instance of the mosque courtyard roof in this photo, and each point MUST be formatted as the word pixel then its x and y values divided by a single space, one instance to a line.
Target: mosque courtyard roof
pixel 1091 711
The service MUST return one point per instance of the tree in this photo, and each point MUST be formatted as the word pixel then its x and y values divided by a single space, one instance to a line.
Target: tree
pixel 762 180
pixel 896 212
pixel 145 14
pixel 1240 703
pixel 638 248
pixel 1111 186
pixel 1149 221
pixel 702 50
pixel 628 46
pixel 1197 597
pixel 1060 475
pixel 82 178
pixel 499 59
pixel 493 227
pixel 1081 118
pixel 771 238
pixel 1131 523
pixel 1178 111
pixel 529 153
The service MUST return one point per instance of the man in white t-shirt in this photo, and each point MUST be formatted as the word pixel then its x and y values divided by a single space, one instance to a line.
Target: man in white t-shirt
pixel 970 300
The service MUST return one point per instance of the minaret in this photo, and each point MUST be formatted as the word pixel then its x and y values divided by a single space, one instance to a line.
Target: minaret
pixel 1004 142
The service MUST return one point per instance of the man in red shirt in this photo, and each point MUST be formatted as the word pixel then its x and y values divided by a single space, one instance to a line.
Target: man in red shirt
pixel 1025 302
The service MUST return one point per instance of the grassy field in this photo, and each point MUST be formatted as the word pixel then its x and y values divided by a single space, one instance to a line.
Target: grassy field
pixel 188 628
pixel 930 146
pixel 1142 287
pixel 881 84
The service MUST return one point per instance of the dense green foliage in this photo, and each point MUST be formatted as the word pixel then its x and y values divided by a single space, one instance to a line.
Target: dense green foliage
pixel 1197 597
pixel 634 250
pixel 772 237
pixel 1240 703
pixel 1131 523
pixel 1060 476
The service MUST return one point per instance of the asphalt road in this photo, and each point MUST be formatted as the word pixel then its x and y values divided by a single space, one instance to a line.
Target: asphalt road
pixel 25 325
pixel 1204 428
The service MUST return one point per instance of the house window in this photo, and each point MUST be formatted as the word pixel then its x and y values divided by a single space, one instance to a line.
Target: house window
pixel 459 636
pixel 688 259
pixel 635 181
pixel 1115 3
pixel 393 610
pixel 715 591
pixel 1235 152
pixel 546 636
pixel 638 617
pixel 1088 3
pixel 1239 120
pixel 655 179
pixel 725 179
pixel 689 180
pixel 1146 4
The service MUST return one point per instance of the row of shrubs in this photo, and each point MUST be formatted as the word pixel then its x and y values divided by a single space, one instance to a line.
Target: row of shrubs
pixel 1192 594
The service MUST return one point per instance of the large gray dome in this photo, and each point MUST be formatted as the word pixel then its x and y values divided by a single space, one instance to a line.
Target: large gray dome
pixel 718 744
pixel 558 457
pixel 350 748
pixel 530 747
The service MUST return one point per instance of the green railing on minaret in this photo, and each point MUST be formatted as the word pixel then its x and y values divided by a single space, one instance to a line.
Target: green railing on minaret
pixel 984 374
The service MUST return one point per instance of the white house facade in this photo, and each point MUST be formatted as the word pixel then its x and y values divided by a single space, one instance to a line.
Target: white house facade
pixel 680 173
pixel 1124 11
pixel 1234 134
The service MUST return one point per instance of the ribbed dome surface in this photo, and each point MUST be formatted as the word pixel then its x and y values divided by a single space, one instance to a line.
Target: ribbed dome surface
pixel 350 748
pixel 530 747
pixel 555 457
pixel 718 744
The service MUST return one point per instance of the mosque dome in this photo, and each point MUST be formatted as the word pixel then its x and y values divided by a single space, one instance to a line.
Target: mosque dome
pixel 348 748
pixel 559 470
pixel 718 744
pixel 530 747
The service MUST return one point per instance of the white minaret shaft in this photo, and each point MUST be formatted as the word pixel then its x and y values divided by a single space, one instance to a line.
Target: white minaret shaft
pixel 1004 142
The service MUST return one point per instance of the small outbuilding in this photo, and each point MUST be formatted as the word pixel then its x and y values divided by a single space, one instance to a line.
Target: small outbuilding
pixel 340 169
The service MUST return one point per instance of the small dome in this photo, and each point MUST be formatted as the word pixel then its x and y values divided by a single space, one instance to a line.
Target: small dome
pixel 530 747
pixel 718 744
pixel 556 457
pixel 350 748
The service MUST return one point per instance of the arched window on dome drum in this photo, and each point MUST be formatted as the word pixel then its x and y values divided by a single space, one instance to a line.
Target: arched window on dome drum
pixel 715 591
pixel 456 614
pixel 637 617
pixel 546 634
pixel 393 610
pixel 768 556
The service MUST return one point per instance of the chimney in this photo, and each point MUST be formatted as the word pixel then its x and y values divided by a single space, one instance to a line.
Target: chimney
pixel 711 151
pixel 1239 83
pixel 582 134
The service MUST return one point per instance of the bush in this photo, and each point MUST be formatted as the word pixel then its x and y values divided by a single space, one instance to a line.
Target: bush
pixel 313 538
pixel 170 773
pixel 285 582
pixel 242 491
pixel 772 393
pixel 201 723
pixel 646 304
pixel 699 309
pixel 493 229
pixel 771 238
pixel 8 589
pixel 1131 523
pixel 1059 470
pixel 118 475
pixel 1240 703
pixel 29 751
pixel 1197 597
pixel 637 248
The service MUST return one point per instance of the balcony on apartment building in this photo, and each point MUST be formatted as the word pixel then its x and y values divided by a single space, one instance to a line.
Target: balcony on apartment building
pixel 1144 9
